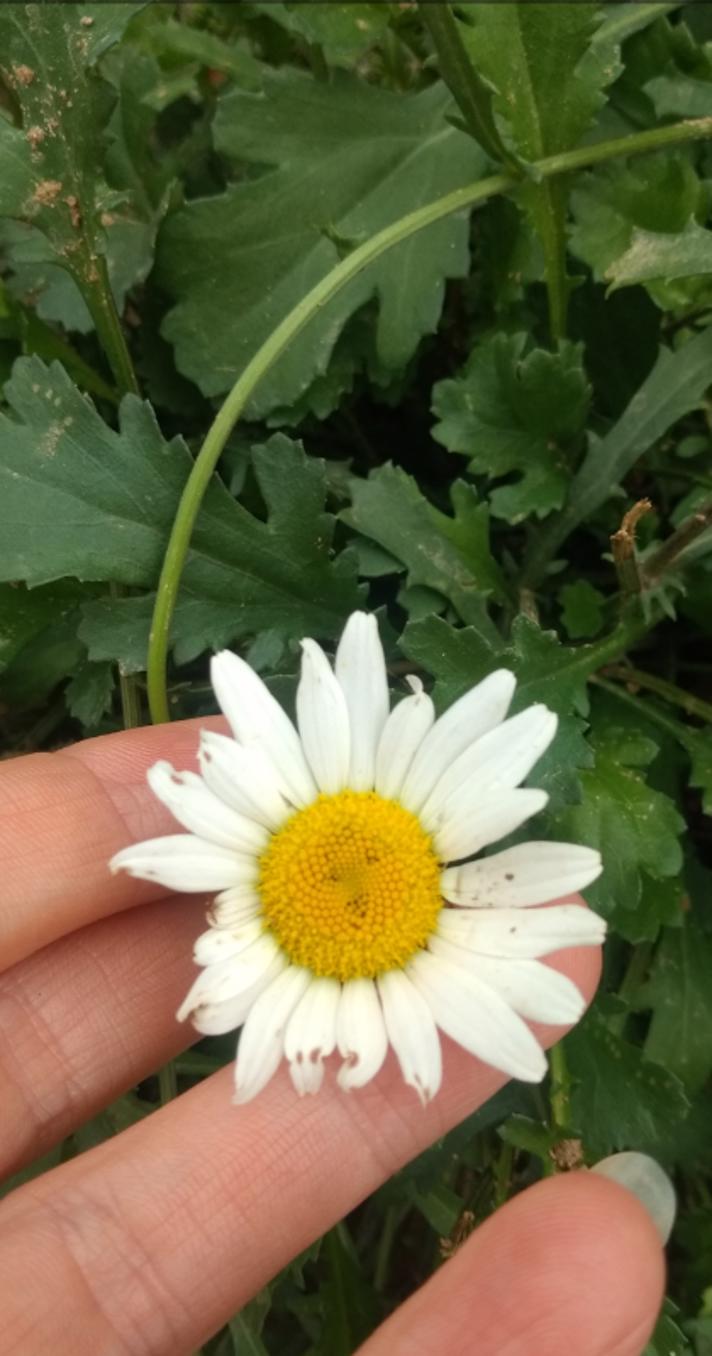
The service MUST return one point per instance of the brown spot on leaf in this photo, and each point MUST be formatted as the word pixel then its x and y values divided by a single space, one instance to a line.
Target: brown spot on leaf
pixel 22 75
pixel 47 192
pixel 75 215
pixel 35 136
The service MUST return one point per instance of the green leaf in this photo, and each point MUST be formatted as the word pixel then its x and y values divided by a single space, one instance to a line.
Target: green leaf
pixel 529 1135
pixel 25 614
pixel 637 224
pixel 651 255
pixel 89 693
pixel 668 1338
pixel 582 609
pixel 512 410
pixel 680 994
pixel 48 167
pixel 676 385
pixel 548 83
pixel 620 1099
pixel 344 31
pixel 80 499
pixel 370 155
pixel 635 827
pixel 451 555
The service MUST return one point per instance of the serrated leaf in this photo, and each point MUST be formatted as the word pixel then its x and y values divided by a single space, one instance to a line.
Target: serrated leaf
pixel 635 827
pixel 48 166
pixel 668 1338
pixel 680 994
pixel 513 410
pixel 370 155
pixel 676 385
pixel 652 255
pixel 620 1099
pixel 636 224
pixel 449 554
pixel 548 81
pixel 82 500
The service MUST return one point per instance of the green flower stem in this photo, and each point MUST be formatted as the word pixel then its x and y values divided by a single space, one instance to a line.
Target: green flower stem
pixel 676 696
pixel 468 89
pixel 292 325
pixel 167 1084
pixel 92 278
pixel 96 290
pixel 560 1087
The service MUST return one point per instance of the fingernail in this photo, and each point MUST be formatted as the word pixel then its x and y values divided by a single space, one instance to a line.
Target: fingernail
pixel 647 1180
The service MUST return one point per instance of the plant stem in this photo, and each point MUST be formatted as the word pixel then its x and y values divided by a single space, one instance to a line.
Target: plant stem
pixel 309 306
pixel 676 696
pixel 465 84
pixel 97 293
pixel 623 548
pixel 686 534
pixel 167 1084
pixel 560 1087
pixel 93 281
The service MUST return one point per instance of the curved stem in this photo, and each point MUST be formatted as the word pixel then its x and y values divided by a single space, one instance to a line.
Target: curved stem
pixel 303 312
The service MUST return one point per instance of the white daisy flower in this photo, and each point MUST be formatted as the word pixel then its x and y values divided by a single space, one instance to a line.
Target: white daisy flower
pixel 349 913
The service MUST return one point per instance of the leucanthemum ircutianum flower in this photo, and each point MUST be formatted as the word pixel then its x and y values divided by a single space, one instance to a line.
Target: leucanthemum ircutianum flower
pixel 353 912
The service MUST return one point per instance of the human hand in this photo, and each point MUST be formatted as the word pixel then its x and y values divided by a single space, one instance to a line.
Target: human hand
pixel 147 1244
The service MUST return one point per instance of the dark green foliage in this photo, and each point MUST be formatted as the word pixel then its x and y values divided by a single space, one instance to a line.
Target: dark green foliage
pixel 451 441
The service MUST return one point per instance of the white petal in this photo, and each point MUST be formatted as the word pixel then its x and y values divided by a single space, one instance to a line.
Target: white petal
pixel 198 810
pixel 403 733
pixel 361 671
pixel 412 1033
pixel 258 721
pixel 262 1041
pixel 323 720
pixel 483 707
pixel 220 944
pixel 215 1019
pixel 360 1034
pixel 182 862
pixel 233 907
pixel 311 1034
pixel 526 934
pixel 534 990
pixel 230 977
pixel 475 823
pixel 244 778
pixel 477 1018
pixel 530 873
pixel 498 761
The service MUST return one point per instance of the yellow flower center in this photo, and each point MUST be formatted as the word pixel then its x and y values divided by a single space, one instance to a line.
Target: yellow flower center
pixel 350 887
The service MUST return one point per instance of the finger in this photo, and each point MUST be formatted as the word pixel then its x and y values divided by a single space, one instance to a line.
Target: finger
pixel 68 812
pixel 172 1226
pixel 87 1018
pixel 569 1266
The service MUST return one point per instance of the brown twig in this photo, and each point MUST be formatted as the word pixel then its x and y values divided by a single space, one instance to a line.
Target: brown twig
pixel 623 548
pixel 681 539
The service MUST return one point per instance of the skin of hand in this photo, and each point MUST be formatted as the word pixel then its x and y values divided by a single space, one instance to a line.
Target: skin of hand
pixel 147 1244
